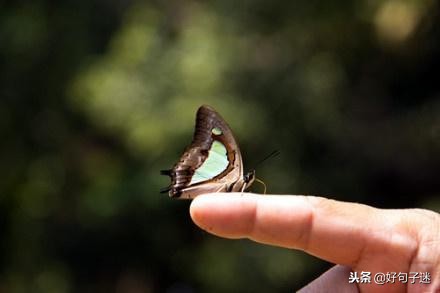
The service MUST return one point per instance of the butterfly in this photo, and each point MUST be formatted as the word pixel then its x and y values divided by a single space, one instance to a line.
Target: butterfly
pixel 211 163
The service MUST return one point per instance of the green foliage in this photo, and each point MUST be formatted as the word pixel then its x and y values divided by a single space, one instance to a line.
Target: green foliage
pixel 96 98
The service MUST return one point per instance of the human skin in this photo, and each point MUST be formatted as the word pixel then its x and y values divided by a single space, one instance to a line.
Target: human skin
pixel 355 237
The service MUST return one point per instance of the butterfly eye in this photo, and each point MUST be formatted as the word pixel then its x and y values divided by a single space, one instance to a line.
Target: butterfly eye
pixel 216 131
pixel 248 177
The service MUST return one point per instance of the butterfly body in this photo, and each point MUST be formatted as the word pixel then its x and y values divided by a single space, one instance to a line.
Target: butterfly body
pixel 211 163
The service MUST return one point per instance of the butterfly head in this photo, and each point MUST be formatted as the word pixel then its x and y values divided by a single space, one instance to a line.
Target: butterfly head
pixel 249 178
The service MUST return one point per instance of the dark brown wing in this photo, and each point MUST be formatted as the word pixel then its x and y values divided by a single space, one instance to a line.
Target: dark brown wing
pixel 207 122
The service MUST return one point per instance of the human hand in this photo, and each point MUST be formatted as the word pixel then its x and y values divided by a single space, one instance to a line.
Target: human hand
pixel 357 237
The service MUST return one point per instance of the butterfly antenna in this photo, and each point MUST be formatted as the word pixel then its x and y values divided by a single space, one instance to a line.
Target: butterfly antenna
pixel 273 154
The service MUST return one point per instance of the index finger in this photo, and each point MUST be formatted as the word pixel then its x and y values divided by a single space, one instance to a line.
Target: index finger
pixel 339 232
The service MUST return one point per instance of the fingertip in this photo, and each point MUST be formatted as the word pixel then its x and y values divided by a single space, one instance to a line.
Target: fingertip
pixel 225 214
pixel 203 209
pixel 198 207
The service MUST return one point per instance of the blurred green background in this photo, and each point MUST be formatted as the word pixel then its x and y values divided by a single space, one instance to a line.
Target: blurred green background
pixel 98 96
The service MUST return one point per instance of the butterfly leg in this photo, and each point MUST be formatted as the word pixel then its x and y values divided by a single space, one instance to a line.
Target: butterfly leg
pixel 261 182
pixel 222 188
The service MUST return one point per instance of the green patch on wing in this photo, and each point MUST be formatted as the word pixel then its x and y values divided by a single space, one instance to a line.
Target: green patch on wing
pixel 216 131
pixel 216 163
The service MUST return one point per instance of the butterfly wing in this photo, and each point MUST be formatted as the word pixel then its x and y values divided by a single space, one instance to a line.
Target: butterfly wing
pixel 212 163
